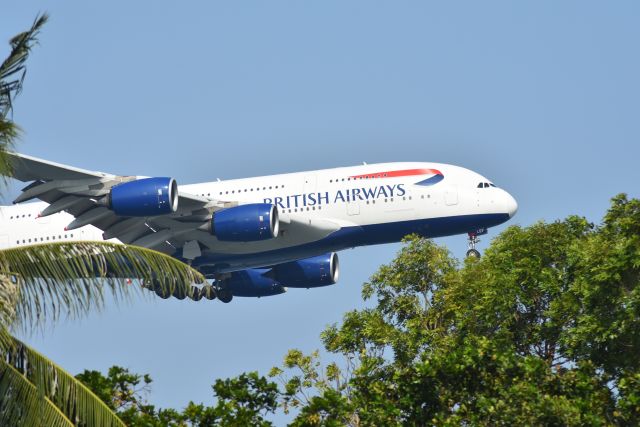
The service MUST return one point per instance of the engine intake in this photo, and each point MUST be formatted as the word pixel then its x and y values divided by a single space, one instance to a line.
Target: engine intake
pixel 144 197
pixel 246 223
pixel 322 270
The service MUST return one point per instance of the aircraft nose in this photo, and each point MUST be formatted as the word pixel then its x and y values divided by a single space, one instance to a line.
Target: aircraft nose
pixel 510 204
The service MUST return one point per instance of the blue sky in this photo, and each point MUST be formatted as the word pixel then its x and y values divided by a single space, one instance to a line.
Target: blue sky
pixel 541 97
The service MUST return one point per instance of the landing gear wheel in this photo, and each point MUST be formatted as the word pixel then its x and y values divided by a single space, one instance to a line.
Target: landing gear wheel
pixel 162 292
pixel 473 241
pixel 179 293
pixel 473 253
pixel 208 292
pixel 196 293
pixel 224 295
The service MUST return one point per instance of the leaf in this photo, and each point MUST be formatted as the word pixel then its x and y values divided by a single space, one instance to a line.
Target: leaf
pixel 30 384
pixel 69 278
pixel 22 405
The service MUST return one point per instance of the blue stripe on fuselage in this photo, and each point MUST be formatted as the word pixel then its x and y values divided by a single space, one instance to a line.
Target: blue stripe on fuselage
pixel 431 181
pixel 349 237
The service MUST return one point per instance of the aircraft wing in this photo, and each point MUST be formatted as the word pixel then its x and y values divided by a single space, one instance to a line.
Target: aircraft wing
pixel 78 191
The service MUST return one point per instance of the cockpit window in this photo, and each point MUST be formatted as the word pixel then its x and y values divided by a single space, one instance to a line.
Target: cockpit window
pixel 486 185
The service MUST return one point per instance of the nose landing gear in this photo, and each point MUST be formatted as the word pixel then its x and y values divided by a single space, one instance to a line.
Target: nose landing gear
pixel 473 240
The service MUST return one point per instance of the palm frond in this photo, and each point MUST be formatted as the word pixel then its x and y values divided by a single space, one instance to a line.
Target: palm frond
pixel 70 278
pixel 9 132
pixel 44 384
pixel 22 405
pixel 12 73
pixel 12 69
pixel 9 294
pixel 7 341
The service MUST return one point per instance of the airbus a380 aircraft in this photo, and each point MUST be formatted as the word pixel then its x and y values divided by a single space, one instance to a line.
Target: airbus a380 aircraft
pixel 256 236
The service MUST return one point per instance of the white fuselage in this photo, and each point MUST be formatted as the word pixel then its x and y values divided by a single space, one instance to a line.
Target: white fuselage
pixel 369 204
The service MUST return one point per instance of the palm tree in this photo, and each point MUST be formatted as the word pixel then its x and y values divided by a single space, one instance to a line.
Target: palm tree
pixel 42 283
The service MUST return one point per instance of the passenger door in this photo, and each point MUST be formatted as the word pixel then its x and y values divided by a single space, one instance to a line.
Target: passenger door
pixel 451 196
pixel 353 208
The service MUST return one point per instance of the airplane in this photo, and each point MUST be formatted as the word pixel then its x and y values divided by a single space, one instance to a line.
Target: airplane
pixel 254 237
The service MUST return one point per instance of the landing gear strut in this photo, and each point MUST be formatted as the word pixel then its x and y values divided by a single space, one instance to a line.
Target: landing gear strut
pixel 473 241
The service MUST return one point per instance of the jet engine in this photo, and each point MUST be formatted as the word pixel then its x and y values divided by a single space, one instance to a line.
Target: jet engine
pixel 245 223
pixel 312 272
pixel 144 197
pixel 252 283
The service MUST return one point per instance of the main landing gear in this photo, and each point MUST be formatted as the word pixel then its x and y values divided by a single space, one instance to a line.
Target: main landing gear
pixel 209 292
pixel 473 240
pixel 224 295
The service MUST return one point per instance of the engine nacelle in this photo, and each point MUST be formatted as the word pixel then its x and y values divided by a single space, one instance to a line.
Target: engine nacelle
pixel 312 272
pixel 144 197
pixel 246 223
pixel 252 283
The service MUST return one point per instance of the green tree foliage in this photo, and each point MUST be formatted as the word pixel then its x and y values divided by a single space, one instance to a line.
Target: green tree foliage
pixel 544 329
pixel 244 400
pixel 240 401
